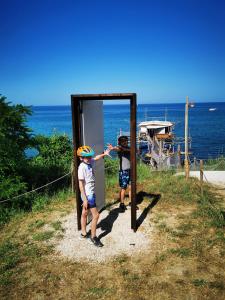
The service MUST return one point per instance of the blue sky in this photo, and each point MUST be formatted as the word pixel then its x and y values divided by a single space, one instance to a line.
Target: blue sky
pixel 162 50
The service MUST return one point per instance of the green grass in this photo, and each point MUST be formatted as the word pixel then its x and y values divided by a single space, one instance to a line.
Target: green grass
pixel 40 202
pixel 32 251
pixel 124 275
pixel 98 291
pixel 211 212
pixel 211 284
pixel 43 236
pixel 217 164
pixel 57 225
pixel 10 257
pixel 36 224
pixel 181 252
pixel 199 282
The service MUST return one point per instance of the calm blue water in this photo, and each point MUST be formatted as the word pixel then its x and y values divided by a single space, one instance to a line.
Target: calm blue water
pixel 207 128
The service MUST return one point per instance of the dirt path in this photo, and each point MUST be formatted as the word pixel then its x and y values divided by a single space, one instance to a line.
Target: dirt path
pixel 213 177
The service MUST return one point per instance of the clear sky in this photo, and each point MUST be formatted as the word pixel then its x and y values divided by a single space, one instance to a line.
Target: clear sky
pixel 162 50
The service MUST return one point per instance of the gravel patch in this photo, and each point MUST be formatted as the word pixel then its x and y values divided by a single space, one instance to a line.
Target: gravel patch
pixel 114 232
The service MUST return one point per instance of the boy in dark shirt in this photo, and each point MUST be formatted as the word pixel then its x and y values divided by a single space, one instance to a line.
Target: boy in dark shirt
pixel 124 170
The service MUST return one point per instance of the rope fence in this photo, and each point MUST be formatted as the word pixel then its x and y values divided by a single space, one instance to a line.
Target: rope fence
pixel 152 169
pixel 41 187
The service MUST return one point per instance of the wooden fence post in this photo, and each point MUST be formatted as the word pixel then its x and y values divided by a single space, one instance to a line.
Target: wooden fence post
pixel 195 163
pixel 72 177
pixel 201 176
pixel 186 162
pixel 179 156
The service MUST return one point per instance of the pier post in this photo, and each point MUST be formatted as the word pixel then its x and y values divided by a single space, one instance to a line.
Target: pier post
pixel 186 162
pixel 179 156
pixel 201 176
pixel 195 163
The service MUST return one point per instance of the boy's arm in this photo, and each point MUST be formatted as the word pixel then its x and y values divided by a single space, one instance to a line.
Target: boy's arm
pixel 82 191
pixel 106 152
pixel 125 149
pixel 113 148
pixel 118 148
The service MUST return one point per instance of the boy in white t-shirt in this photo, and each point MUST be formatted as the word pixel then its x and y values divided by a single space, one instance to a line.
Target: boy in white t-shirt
pixel 87 189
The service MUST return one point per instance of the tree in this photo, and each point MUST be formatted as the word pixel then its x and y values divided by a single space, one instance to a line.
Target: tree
pixel 15 138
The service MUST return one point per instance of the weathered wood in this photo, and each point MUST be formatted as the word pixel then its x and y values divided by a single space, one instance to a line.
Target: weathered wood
pixel 195 163
pixel 72 177
pixel 75 103
pixel 186 163
pixel 114 96
pixel 179 156
pixel 133 160
pixel 164 136
pixel 201 176
pixel 76 144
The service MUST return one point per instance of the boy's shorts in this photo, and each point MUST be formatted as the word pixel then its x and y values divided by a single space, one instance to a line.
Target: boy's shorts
pixel 91 201
pixel 124 178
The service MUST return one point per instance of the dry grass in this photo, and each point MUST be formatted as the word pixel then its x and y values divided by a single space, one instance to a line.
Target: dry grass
pixel 185 261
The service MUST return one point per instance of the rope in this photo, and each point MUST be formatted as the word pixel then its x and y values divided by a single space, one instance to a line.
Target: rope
pixel 36 188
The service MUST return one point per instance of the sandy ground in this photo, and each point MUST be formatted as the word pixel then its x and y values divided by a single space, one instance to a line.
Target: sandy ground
pixel 214 177
pixel 114 231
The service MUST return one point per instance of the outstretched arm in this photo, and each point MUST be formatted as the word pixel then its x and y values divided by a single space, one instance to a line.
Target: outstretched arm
pixel 106 152
pixel 118 148
pixel 113 148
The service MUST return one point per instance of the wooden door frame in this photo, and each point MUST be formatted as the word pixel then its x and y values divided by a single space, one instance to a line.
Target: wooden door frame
pixel 76 101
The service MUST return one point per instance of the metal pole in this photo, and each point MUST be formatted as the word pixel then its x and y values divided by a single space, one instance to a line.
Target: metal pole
pixel 186 163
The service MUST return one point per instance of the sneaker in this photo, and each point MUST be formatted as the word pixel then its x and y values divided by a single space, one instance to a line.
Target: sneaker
pixel 122 207
pixel 96 242
pixel 83 236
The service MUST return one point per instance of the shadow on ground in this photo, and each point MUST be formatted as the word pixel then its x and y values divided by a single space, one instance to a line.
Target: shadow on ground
pixel 140 197
pixel 107 223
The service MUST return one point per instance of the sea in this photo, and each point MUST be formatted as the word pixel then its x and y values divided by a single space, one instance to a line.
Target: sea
pixel 206 127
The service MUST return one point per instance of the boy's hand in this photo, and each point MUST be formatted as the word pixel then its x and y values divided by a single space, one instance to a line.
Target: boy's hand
pixel 107 151
pixel 85 204
pixel 110 146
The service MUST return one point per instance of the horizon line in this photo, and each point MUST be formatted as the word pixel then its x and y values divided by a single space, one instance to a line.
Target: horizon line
pixel 149 103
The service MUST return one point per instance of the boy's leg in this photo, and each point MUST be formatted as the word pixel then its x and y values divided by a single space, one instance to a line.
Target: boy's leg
pixel 123 185
pixel 84 221
pixel 122 195
pixel 95 216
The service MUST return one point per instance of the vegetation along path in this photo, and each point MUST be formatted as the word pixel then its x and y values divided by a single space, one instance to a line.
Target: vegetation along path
pixel 177 252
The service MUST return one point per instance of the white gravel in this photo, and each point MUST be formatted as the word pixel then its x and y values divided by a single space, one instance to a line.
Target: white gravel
pixel 115 233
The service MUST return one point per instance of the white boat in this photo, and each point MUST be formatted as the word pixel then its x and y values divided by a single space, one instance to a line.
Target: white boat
pixel 155 142
pixel 158 129
pixel 212 108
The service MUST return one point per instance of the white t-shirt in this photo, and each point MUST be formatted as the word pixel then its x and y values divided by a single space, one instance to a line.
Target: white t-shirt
pixel 86 173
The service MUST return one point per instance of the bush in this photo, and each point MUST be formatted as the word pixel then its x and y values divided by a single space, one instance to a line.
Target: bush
pixel 15 138
pixel 53 161
pixel 18 173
